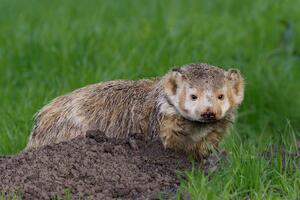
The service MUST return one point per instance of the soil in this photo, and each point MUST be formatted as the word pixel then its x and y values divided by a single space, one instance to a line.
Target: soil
pixel 96 167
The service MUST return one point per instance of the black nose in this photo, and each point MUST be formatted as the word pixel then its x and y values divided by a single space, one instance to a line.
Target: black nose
pixel 208 115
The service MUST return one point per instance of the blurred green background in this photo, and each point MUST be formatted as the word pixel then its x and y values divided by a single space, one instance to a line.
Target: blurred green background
pixel 48 48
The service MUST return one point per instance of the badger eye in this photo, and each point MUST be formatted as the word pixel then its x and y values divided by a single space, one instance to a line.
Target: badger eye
pixel 194 97
pixel 221 97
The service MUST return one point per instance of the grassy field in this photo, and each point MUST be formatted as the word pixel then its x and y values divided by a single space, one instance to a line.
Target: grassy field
pixel 48 48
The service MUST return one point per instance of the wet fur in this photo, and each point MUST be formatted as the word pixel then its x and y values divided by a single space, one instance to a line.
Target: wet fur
pixel 119 108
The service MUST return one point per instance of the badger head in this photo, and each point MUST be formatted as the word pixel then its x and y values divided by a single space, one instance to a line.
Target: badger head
pixel 204 93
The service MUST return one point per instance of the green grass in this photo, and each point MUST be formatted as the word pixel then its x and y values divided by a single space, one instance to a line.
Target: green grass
pixel 10 196
pixel 48 48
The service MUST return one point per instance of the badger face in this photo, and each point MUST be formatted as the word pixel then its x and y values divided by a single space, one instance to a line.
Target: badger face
pixel 206 104
pixel 204 93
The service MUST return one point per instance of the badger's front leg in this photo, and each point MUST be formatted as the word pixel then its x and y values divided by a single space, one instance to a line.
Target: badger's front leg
pixel 203 147
pixel 173 132
pixel 196 140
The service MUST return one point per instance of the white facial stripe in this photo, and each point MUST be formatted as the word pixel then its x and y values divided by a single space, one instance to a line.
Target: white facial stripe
pixel 165 107
pixel 175 101
pixel 175 98
pixel 191 91
pixel 190 105
pixel 225 106
pixel 207 101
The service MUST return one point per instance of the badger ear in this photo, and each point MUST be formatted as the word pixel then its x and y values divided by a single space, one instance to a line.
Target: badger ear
pixel 236 83
pixel 173 80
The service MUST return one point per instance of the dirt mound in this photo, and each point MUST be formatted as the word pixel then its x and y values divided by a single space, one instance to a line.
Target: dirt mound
pixel 94 167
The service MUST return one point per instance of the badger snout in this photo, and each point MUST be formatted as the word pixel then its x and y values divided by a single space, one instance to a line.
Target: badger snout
pixel 208 115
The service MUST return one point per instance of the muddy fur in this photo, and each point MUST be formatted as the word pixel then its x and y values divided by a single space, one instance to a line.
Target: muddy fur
pixel 154 107
pixel 116 107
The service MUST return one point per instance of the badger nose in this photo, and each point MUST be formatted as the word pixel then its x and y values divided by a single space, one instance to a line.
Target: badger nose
pixel 208 115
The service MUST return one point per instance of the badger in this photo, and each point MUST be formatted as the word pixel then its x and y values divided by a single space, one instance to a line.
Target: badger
pixel 189 109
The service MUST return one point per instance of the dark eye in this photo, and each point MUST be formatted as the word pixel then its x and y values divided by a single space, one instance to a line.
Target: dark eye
pixel 194 97
pixel 221 97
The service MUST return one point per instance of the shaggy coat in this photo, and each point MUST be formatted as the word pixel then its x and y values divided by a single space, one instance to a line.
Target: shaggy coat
pixel 190 109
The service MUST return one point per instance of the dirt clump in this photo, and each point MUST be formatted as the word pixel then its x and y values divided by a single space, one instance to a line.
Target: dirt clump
pixel 94 167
